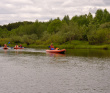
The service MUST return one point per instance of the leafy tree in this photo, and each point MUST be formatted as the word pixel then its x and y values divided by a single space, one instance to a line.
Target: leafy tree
pixel 97 37
pixel 101 16
pixel 33 37
pixel 3 33
pixel 105 25
pixel 81 20
pixel 16 39
pixel 89 18
pixel 54 26
pixel 26 39
pixel 106 16
pixel 66 19
pixel 45 36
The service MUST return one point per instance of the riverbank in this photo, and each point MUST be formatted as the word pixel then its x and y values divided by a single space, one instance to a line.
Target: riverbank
pixel 68 45
pixel 75 44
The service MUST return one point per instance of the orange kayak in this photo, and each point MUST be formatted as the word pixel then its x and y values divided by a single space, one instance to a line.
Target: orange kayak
pixel 56 51
pixel 18 47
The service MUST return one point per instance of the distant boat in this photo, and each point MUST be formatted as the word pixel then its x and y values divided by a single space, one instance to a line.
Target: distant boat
pixel 18 47
pixel 5 48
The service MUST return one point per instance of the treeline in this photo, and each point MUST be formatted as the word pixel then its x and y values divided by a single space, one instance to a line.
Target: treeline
pixel 95 30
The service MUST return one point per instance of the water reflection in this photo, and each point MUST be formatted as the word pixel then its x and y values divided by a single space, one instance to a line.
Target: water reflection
pixel 88 52
pixel 55 54
pixel 5 51
pixel 18 52
pixel 100 53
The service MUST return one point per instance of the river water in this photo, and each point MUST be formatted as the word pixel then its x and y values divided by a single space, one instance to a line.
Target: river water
pixel 35 71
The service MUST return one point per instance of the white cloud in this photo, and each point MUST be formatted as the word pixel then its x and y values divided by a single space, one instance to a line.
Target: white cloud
pixel 43 10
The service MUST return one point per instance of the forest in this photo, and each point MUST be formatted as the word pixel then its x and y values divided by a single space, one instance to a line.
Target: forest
pixel 83 28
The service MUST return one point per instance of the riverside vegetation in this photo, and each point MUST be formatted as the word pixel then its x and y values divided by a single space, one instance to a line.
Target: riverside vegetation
pixel 83 31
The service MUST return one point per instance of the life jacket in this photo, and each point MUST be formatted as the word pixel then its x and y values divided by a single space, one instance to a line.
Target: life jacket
pixel 5 45
pixel 16 45
pixel 20 45
pixel 51 47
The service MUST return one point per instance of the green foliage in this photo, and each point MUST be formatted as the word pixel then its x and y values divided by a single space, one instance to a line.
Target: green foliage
pixel 102 16
pixel 89 17
pixel 81 20
pixel 11 26
pixel 54 26
pixel 3 33
pixel 16 39
pixel 4 41
pixel 66 19
pixel 105 25
pixel 95 30
pixel 45 36
pixel 97 37
pixel 27 39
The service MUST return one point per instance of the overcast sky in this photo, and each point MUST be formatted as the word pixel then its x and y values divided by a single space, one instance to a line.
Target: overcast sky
pixel 43 10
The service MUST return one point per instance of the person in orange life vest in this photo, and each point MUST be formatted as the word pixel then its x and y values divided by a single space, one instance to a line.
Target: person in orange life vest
pixel 20 46
pixel 51 47
pixel 16 45
pixel 5 45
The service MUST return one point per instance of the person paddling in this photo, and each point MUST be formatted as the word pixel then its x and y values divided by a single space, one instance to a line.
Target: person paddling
pixel 16 45
pixel 5 46
pixel 51 47
pixel 20 46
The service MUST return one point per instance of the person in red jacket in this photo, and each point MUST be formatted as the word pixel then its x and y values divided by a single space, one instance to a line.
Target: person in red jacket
pixel 20 46
pixel 51 47
pixel 5 45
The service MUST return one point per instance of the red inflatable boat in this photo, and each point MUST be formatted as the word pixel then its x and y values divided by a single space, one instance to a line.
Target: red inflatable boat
pixel 56 51
pixel 18 47
pixel 5 48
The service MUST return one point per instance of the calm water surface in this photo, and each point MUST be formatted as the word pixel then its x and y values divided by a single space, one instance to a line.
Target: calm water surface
pixel 35 71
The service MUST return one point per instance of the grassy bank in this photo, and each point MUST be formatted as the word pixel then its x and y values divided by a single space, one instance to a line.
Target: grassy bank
pixel 75 44
pixel 82 45
pixel 68 45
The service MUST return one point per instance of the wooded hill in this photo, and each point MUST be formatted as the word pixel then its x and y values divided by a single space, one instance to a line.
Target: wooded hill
pixel 95 30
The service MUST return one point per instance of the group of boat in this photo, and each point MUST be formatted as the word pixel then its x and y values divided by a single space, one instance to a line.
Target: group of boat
pixel 16 47
pixel 62 51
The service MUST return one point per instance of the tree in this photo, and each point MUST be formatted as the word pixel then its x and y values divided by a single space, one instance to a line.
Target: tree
pixel 81 20
pixel 98 16
pixel 66 19
pixel 54 26
pixel 106 16
pixel 97 37
pixel 89 18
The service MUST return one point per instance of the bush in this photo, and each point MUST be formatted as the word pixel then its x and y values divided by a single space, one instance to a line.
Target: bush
pixel 16 39
pixel 97 37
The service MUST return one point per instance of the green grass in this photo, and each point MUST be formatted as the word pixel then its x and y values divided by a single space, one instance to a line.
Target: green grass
pixel 75 44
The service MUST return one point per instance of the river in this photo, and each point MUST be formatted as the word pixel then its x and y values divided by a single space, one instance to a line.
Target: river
pixel 35 71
